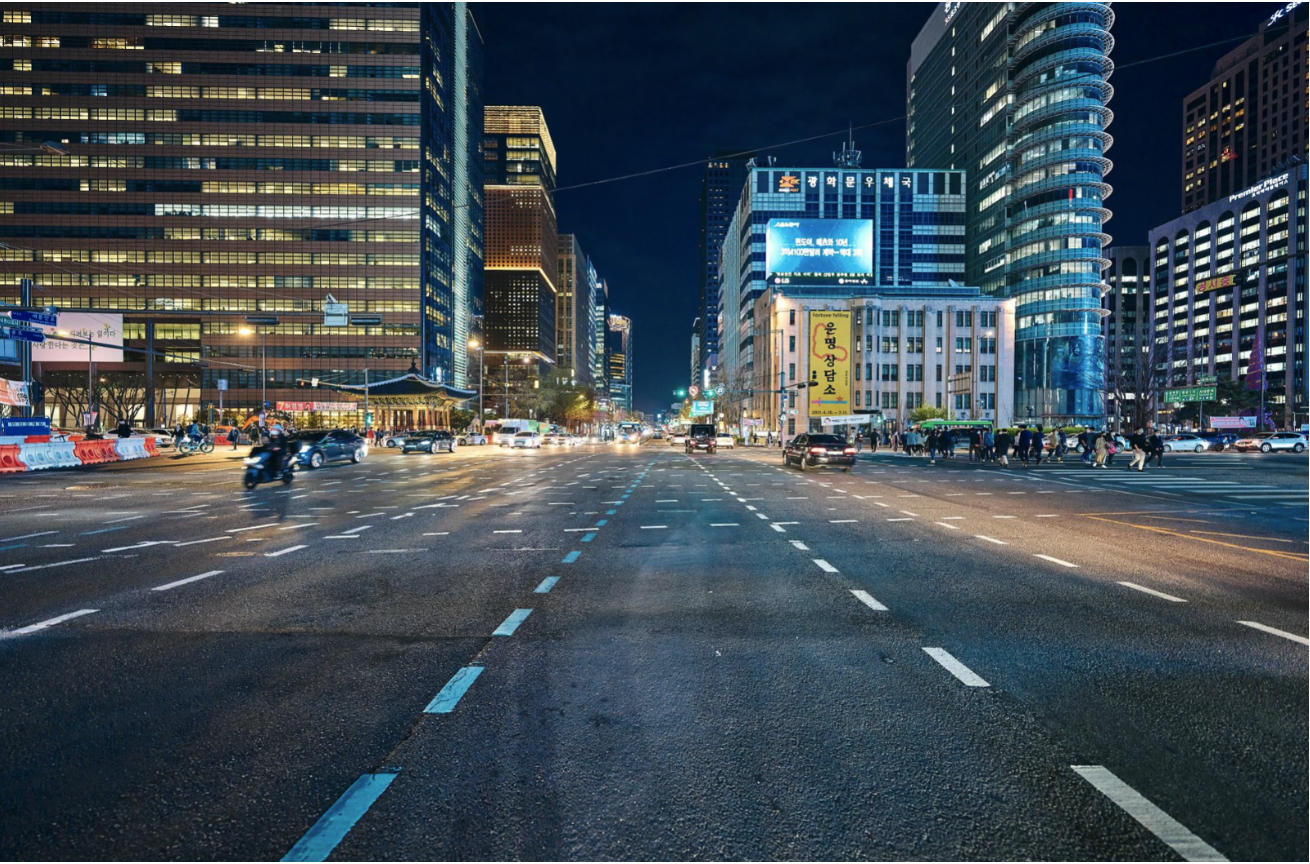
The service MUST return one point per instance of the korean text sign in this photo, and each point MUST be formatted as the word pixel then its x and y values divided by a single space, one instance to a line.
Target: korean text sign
pixel 830 363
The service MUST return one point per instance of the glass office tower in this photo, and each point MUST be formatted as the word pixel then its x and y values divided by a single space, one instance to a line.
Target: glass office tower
pixel 223 161
pixel 1016 94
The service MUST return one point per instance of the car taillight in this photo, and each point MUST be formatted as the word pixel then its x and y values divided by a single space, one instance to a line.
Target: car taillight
pixel 849 451
pixel 818 449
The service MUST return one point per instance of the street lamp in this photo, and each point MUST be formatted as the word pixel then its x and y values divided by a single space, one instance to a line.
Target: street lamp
pixel 90 384
pixel 482 417
pixel 263 351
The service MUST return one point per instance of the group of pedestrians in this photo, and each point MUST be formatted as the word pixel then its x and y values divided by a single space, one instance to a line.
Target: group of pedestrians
pixel 1031 446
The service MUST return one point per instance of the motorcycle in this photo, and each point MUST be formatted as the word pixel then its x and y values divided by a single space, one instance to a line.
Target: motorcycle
pixel 259 468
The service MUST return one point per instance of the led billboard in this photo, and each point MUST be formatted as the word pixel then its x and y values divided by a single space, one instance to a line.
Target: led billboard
pixel 820 251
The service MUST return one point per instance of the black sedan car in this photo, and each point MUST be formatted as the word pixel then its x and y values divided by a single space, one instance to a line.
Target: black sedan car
pixel 313 447
pixel 810 449
pixel 429 441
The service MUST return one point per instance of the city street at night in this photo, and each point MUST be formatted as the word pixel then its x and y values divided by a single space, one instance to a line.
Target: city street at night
pixel 625 652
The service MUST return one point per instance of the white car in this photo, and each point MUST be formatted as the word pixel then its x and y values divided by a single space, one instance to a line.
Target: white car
pixel 678 438
pixel 1271 441
pixel 555 438
pixel 394 441
pixel 726 441
pixel 527 439
pixel 1187 441
pixel 472 438
pixel 573 440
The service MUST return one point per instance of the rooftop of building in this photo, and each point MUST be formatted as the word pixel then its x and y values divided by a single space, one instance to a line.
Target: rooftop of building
pixel 520 120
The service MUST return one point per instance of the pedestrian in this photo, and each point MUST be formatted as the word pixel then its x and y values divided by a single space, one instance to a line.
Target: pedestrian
pixel 1111 448
pixel 1025 445
pixel 1039 445
pixel 975 445
pixel 1155 449
pixel 1061 445
pixel 946 443
pixel 233 436
pixel 1003 448
pixel 124 429
pixel 934 441
pixel 1138 442
pixel 1085 441
pixel 1102 450
pixel 988 445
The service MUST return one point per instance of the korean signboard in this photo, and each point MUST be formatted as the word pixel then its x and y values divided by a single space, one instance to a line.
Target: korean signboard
pixel 331 407
pixel 1214 284
pixel 1192 394
pixel 107 330
pixel 702 408
pixel 819 251
pixel 830 363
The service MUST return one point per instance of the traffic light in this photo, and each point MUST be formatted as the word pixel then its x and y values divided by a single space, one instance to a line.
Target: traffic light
pixel 681 393
pixel 35 393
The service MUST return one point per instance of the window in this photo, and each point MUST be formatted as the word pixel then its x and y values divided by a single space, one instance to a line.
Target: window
pixel 791 344
pixel 892 319
pixel 791 316
pixel 964 319
pixel 890 344
pixel 791 371
pixel 939 342
pixel 964 345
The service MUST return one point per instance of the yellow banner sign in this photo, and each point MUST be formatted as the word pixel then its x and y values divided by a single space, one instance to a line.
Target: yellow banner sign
pixel 830 364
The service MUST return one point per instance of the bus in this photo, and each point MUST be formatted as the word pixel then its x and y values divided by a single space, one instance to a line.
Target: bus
pixel 628 433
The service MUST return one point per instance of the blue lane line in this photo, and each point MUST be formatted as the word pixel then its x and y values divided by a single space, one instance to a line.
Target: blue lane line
pixel 571 557
pixel 587 538
pixel 546 584
pixel 333 826
pixel 610 512
pixel 15 546
pixel 510 624
pixel 455 688
pixel 104 530
pixel 601 522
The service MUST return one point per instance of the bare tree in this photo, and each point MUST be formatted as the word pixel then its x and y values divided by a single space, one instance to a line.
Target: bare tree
pixel 1138 376
pixel 123 395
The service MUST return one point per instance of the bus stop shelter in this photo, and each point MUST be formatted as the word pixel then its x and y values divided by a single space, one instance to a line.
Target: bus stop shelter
pixel 408 402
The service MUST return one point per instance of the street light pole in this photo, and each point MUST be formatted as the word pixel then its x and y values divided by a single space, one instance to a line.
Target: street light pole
pixel 263 362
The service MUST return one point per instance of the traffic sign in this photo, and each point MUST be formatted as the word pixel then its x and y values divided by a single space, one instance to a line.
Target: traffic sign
pixel 1192 394
pixel 694 391
pixel 702 408
pixel 45 319
pixel 1207 379
pixel 22 333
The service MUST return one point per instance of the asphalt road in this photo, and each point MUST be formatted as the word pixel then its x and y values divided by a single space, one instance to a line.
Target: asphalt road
pixel 628 653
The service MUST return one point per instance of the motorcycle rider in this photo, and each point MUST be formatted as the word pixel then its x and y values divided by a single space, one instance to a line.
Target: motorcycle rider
pixel 277 450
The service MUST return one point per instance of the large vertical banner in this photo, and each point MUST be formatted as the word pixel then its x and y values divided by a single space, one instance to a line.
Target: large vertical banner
pixel 830 363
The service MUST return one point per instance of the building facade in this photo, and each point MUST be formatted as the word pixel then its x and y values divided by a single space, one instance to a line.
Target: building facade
pixel 1250 118
pixel 950 348
pixel 221 162
pixel 694 375
pixel 1129 335
pixel 575 309
pixel 452 191
pixel 1017 94
pixel 720 189
pixel 913 221
pixel 522 243
pixel 618 356
pixel 1230 276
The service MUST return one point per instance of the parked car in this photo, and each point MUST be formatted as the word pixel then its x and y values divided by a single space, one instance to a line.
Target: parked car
pixel 1187 441
pixel 1267 442
pixel 527 439
pixel 163 437
pixel 314 447
pixel 469 439
pixel 727 441
pixel 810 449
pixel 430 441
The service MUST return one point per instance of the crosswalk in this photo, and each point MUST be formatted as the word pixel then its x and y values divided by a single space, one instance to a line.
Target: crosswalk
pixel 1231 491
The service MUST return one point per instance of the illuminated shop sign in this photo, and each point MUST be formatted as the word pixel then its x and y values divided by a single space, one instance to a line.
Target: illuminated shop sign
pixel 819 251
pixel 1262 187
pixel 1214 284
pixel 789 183
pixel 1277 15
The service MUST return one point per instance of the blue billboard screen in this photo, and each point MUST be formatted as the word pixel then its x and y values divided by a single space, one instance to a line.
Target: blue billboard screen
pixel 822 250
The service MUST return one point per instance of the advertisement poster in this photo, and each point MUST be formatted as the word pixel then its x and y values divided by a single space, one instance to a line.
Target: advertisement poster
pixel 819 251
pixel 13 393
pixel 830 364
pixel 105 329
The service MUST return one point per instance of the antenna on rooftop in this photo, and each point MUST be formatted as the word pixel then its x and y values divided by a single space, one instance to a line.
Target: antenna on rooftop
pixel 849 157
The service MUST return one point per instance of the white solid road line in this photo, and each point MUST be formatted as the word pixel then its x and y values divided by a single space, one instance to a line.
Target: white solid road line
pixel 948 525
pixel 799 545
pixel 1275 631
pixel 1163 596
pixel 50 622
pixel 283 551
pixel 649 527
pixel 187 580
pixel 56 564
pixel 26 536
pixel 1056 561
pixel 509 531
pixel 955 667
pixel 723 525
pixel 991 540
pixel 776 527
pixel 1151 817
pixel 865 598
pixel 251 528
pixel 841 521
pixel 825 566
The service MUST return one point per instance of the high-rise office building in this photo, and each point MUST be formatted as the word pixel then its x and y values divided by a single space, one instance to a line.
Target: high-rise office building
pixel 618 355
pixel 575 310
pixel 694 376
pixel 600 333
pixel 521 241
pixel 720 188
pixel 1017 95
pixel 1128 331
pixel 452 190
pixel 900 230
pixel 1250 118
pixel 222 161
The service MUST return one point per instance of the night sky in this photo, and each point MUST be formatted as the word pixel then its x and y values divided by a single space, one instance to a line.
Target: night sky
pixel 630 88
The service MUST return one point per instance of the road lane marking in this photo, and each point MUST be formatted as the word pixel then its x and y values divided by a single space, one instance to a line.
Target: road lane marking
pixel 948 525
pixel 571 557
pixel 401 516
pixel 131 518
pixel 185 581
pixel 370 515
pixel 251 528
pixel 56 564
pixel 880 504
pixel 50 622
pixel 776 527
pixel 762 516
pixel 587 538
pixel 991 540
pixel 425 534
pixel 301 525
pixel 144 545
pixel 1005 517
pixel 510 624
pixel 825 566
pixel 844 521
pixel 956 668
pixel 1275 631
pixel 865 598
pixel 509 531
pixel 546 584
pixel 333 826
pixel 105 530
pixel 283 551
pixel 724 525
pixel 1151 817
pixel 1056 561
pixel 1274 552
pixel 651 527
pixel 901 519
pixel 1171 598
pixel 26 536
pixel 445 701
pixel 206 540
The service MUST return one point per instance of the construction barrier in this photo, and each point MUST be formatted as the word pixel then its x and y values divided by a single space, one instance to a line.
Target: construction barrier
pixel 152 447
pixel 131 448
pixel 36 457
pixel 25 454
pixel 63 454
pixel 9 461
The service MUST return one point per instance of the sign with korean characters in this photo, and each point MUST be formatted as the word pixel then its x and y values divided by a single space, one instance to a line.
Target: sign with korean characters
pixel 702 408
pixel 830 363
pixel 1192 394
